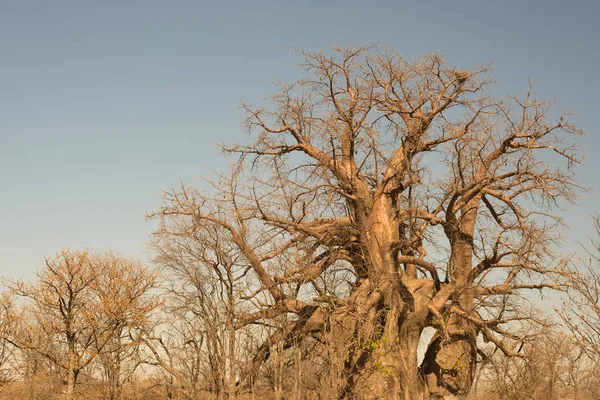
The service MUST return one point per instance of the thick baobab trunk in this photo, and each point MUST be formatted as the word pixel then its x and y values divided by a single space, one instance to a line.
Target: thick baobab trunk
pixel 450 360
pixel 448 366
pixel 392 312
pixel 382 362
pixel 392 371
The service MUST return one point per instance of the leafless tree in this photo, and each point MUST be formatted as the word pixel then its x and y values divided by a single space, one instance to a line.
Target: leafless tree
pixel 553 368
pixel 208 275
pixel 40 377
pixel 581 308
pixel 62 307
pixel 124 291
pixel 433 196
pixel 77 309
pixel 176 352
pixel 10 319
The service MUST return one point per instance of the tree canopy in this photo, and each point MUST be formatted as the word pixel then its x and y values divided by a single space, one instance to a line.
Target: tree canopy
pixel 376 197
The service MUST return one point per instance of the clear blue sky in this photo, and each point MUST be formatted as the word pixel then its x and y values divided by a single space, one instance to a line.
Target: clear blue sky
pixel 104 104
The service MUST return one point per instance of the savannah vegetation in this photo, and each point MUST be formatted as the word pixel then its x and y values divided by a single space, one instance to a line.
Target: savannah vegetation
pixel 385 232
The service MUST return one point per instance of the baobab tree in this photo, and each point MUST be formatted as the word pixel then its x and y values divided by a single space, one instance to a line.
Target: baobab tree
pixel 430 199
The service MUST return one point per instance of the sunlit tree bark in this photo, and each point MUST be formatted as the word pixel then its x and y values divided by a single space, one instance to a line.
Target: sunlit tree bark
pixel 434 196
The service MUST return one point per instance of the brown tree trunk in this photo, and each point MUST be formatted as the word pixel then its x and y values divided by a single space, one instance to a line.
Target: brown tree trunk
pixel 115 389
pixel 381 361
pixel 231 345
pixel 393 371
pixel 72 370
pixel 450 360
pixel 71 381
pixel 391 310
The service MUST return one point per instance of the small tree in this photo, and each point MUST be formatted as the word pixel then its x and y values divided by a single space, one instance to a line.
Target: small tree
pixel 208 276
pixel 124 294
pixel 82 303
pixel 64 309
